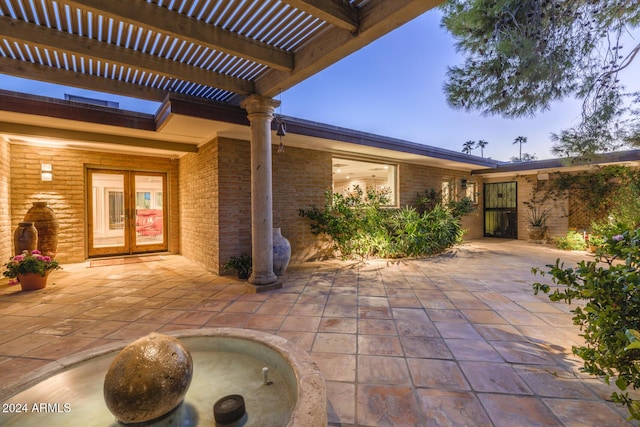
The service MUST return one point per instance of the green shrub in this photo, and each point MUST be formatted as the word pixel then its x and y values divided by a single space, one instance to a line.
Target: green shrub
pixel 573 241
pixel 361 225
pixel 431 232
pixel 610 317
pixel 458 208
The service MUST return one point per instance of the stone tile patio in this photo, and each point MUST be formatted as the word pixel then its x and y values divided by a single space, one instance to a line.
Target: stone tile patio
pixel 453 340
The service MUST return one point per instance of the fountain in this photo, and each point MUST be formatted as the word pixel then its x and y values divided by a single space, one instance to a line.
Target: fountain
pixel 250 378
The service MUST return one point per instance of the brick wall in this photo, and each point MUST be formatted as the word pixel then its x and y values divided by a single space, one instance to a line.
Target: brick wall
pixel 6 231
pixel 557 222
pixel 215 200
pixel 234 165
pixel 66 193
pixel 199 208
pixel 300 180
pixel 416 179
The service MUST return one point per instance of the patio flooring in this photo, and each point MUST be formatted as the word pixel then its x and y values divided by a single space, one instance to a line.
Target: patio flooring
pixel 453 340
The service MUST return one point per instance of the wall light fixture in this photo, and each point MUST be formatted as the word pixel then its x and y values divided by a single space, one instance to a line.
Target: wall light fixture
pixel 46 172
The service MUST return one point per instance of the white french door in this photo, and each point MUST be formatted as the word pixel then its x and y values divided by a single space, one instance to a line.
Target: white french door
pixel 126 212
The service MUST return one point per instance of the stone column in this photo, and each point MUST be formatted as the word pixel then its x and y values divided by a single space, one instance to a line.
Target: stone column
pixel 260 113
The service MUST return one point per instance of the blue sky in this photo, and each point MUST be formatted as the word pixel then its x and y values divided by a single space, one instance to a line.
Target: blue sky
pixel 393 87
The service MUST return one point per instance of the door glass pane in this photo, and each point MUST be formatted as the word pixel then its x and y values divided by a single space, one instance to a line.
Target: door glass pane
pixel 108 210
pixel 500 212
pixel 149 211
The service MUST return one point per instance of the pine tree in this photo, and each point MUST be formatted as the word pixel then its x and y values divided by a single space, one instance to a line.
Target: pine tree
pixel 523 55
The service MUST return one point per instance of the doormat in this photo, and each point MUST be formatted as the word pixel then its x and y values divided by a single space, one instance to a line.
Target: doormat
pixel 123 260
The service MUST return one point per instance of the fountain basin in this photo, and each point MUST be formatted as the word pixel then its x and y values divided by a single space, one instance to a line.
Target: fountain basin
pixel 226 361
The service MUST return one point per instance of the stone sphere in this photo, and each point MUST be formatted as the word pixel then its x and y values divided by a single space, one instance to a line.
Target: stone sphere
pixel 148 379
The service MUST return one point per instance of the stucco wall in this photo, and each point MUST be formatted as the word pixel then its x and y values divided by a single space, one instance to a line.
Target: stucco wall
pixel 66 193
pixel 6 232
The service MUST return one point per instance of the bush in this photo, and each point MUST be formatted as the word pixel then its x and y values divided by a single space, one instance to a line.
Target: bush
pixel 361 225
pixel 610 318
pixel 428 233
pixel 573 241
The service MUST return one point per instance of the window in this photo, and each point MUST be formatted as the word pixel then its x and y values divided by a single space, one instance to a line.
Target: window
pixel 448 190
pixel 348 173
pixel 472 192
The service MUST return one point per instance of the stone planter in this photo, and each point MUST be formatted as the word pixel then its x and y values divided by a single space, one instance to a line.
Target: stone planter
pixel 536 233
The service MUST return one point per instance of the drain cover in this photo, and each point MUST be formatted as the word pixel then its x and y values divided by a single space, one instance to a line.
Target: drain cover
pixel 229 409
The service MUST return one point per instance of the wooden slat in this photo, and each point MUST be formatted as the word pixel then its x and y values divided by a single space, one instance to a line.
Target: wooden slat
pixel 259 32
pixel 340 27
pixel 27 70
pixel 335 12
pixel 53 39
pixel 200 7
pixel 181 26
pixel 240 14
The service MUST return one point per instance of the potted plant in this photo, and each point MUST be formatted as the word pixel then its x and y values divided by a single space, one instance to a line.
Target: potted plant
pixel 594 242
pixel 537 217
pixel 31 269
pixel 240 264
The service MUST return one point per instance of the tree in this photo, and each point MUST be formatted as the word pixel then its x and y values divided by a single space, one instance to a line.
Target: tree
pixel 522 55
pixel 520 140
pixel 524 157
pixel 482 143
pixel 468 146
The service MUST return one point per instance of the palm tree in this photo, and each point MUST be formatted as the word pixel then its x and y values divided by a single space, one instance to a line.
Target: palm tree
pixel 520 140
pixel 468 146
pixel 482 143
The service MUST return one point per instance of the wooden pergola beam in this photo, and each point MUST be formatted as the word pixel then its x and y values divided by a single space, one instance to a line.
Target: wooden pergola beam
pixel 58 40
pixel 377 18
pixel 45 73
pixel 81 136
pixel 336 12
pixel 162 20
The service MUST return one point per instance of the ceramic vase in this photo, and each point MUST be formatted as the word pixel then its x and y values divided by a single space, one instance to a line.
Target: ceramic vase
pixel 281 252
pixel 25 238
pixel 45 221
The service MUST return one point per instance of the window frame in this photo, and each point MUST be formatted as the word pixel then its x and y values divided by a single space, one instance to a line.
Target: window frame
pixel 391 178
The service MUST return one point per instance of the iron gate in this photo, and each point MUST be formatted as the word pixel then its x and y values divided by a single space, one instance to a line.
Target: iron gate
pixel 500 210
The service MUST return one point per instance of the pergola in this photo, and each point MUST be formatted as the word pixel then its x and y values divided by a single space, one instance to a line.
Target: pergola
pixel 237 52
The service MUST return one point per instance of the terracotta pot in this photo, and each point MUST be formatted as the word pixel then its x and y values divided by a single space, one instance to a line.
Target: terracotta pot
pixel 25 238
pixel 45 221
pixel 32 281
